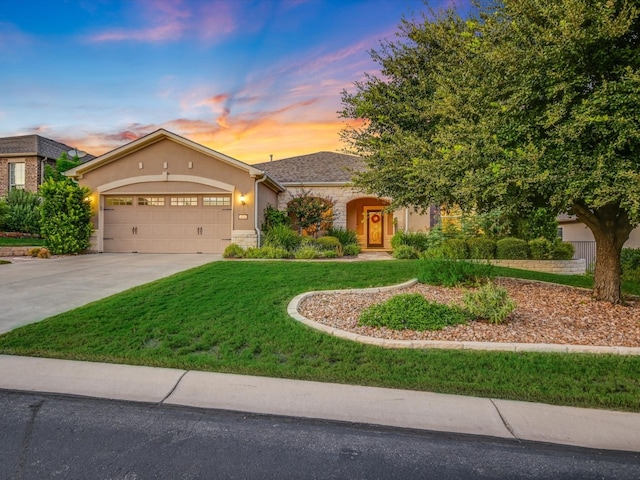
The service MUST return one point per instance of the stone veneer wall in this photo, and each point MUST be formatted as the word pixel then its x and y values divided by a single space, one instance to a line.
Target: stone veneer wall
pixel 563 267
pixel 340 195
pixel 244 238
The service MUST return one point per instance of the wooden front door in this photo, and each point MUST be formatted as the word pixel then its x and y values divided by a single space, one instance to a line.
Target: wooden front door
pixel 375 229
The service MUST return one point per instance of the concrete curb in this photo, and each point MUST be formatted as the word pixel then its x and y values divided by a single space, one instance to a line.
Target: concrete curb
pixel 427 411
pixel 292 310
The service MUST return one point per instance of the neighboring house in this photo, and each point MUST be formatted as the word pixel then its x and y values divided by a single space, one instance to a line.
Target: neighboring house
pixel 23 158
pixel 164 193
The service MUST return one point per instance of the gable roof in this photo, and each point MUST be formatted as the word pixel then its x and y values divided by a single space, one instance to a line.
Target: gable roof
pixel 35 145
pixel 314 168
pixel 162 134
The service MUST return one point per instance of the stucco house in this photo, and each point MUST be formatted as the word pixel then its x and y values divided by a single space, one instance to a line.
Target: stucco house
pixel 23 159
pixel 163 193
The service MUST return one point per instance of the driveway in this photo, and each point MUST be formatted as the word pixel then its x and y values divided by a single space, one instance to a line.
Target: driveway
pixel 33 290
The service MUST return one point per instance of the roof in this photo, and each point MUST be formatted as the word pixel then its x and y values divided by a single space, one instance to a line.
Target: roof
pixel 35 145
pixel 314 168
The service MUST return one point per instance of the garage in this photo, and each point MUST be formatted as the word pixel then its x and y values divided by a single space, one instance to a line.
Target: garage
pixel 167 223
pixel 163 193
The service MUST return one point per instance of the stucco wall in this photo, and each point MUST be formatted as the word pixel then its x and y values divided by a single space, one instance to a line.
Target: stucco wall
pixel 578 232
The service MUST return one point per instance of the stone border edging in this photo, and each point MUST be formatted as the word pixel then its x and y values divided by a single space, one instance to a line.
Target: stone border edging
pixel 292 310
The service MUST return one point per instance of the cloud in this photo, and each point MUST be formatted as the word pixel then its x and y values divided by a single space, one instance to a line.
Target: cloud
pixel 171 21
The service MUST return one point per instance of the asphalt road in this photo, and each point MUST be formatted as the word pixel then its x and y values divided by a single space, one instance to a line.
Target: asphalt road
pixel 76 438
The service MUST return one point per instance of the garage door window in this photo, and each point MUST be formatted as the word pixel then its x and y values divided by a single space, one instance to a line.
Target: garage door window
pixel 216 201
pixel 184 201
pixel 151 201
pixel 111 201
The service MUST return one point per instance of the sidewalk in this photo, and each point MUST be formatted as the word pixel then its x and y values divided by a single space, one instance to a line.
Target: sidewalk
pixel 506 419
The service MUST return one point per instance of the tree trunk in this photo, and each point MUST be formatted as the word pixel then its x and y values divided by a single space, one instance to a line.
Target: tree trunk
pixel 611 227
pixel 607 281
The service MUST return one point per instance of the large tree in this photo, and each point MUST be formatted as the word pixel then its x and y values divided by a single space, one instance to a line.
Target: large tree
pixel 522 104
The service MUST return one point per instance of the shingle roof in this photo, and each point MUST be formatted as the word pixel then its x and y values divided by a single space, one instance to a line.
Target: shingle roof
pixel 35 145
pixel 320 167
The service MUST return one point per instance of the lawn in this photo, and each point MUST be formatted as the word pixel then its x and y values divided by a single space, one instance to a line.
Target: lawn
pixel 21 242
pixel 231 317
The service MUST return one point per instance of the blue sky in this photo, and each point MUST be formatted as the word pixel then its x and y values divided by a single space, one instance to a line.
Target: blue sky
pixel 248 78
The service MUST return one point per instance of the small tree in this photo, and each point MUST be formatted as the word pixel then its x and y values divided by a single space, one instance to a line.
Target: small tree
pixel 63 163
pixel 65 216
pixel 311 214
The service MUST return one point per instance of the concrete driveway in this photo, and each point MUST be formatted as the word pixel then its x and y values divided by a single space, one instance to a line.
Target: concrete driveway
pixel 33 290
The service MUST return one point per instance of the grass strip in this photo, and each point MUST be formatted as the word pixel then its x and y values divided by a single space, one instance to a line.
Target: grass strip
pixel 231 317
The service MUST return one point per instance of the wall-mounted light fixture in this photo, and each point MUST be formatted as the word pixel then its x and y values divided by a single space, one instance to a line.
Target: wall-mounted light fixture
pixel 243 199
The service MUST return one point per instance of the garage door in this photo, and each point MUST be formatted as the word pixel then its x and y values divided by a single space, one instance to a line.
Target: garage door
pixel 167 223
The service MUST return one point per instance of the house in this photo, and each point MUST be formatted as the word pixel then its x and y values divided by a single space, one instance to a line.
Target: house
pixel 23 159
pixel 163 193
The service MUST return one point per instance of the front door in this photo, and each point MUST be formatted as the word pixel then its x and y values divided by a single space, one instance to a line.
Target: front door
pixel 375 222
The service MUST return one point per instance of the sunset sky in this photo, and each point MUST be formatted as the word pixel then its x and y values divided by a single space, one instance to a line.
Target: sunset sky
pixel 248 78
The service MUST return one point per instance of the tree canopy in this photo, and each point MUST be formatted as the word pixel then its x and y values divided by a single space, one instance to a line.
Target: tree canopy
pixel 520 105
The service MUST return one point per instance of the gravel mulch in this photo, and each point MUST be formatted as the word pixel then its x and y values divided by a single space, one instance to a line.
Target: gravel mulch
pixel 545 313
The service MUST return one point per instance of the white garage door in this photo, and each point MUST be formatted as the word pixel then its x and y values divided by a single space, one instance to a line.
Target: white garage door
pixel 167 223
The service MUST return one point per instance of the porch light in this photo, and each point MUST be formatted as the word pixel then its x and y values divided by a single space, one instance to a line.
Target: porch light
pixel 243 199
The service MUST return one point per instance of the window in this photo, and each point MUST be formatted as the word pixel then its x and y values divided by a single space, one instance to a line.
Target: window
pixel 216 201
pixel 16 176
pixel 184 201
pixel 151 201
pixel 111 201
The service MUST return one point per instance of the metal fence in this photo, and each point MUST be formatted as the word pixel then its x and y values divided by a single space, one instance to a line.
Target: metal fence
pixel 586 250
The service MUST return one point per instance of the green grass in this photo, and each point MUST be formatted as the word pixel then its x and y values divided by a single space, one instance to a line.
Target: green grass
pixel 231 317
pixel 21 242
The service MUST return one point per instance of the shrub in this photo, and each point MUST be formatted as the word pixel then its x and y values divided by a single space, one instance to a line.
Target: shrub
pixel 233 251
pixel 418 240
pixel 512 249
pixel 267 252
pixel 281 236
pixel 562 250
pixel 346 237
pixel 451 272
pixel 330 254
pixel 405 252
pixel 330 243
pixel 489 302
pixel 307 252
pixel 540 248
pixel 411 311
pixel 351 249
pixel 482 248
pixel 4 213
pixel 33 252
pixel 274 217
pixel 630 262
pixel 44 253
pixel 23 212
pixel 65 216
pixel 455 249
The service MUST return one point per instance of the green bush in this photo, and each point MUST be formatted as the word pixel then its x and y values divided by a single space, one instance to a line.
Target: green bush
pixel 489 302
pixel 512 249
pixel 23 213
pixel 351 249
pixel 346 237
pixel 307 252
pixel 630 262
pixel 274 217
pixel 281 236
pixel 4 213
pixel 330 243
pixel 405 252
pixel 540 248
pixel 330 254
pixel 481 248
pixel 65 216
pixel 562 250
pixel 267 252
pixel 233 251
pixel 455 249
pixel 411 311
pixel 453 272
pixel 418 240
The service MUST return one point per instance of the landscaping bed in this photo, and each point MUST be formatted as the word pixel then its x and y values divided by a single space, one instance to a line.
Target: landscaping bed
pixel 545 313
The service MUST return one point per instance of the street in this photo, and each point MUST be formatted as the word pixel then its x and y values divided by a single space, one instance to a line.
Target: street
pixel 45 436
